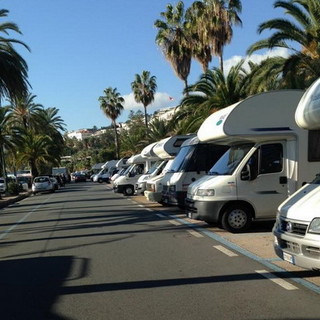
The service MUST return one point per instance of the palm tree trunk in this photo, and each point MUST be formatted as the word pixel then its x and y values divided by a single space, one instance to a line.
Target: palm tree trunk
pixel 221 61
pixel 145 117
pixel 116 140
pixel 186 86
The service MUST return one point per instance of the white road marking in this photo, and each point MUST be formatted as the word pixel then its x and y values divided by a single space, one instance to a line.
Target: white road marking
pixel 195 233
pixel 160 215
pixel 175 222
pixel 226 251
pixel 284 284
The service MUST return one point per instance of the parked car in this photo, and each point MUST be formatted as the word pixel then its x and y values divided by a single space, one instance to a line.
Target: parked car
pixel 2 185
pixel 42 184
pixel 55 183
pixel 79 177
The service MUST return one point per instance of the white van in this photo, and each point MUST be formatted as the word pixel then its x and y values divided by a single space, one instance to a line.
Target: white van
pixel 125 183
pixel 297 227
pixel 166 149
pixel 193 161
pixel 155 169
pixel 266 163
pixel 106 172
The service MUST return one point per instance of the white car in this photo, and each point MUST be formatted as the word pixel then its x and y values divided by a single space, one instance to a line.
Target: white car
pixel 2 185
pixel 42 184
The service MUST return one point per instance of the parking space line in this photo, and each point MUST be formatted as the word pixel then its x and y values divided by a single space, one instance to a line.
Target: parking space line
pixel 195 234
pixel 175 222
pixel 160 215
pixel 226 251
pixel 284 284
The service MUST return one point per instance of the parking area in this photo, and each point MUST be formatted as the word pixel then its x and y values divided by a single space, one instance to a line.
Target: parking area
pixel 257 242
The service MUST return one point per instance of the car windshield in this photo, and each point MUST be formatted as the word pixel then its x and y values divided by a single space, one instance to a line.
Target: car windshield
pixel 182 157
pixel 230 160
pixel 41 179
pixel 154 167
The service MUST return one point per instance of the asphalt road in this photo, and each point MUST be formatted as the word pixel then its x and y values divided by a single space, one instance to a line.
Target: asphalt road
pixel 87 253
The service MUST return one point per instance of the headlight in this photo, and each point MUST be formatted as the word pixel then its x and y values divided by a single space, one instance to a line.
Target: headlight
pixel 205 192
pixel 314 226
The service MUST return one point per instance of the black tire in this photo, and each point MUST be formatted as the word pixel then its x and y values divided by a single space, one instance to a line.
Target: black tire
pixel 128 191
pixel 236 218
pixel 100 180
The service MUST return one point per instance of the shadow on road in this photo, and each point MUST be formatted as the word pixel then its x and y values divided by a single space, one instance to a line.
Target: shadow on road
pixel 30 287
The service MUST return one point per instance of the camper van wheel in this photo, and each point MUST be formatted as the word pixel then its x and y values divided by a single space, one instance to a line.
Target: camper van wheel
pixel 236 218
pixel 128 191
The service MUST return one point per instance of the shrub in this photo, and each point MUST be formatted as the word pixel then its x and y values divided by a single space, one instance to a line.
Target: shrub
pixel 13 188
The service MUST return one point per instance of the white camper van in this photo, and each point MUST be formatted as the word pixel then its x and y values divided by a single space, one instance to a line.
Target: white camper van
pixel 297 227
pixel 154 170
pixel 106 172
pixel 193 161
pixel 125 183
pixel 266 163
pixel 166 149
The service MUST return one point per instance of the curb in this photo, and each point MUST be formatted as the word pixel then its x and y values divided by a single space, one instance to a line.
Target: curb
pixel 6 202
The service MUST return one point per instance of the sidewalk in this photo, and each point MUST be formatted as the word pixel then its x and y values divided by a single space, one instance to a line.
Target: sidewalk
pixel 6 200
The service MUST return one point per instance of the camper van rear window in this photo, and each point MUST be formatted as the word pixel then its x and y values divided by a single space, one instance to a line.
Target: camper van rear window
pixel 314 145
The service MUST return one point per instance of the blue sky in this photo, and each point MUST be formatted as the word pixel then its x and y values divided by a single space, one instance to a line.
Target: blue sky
pixel 81 47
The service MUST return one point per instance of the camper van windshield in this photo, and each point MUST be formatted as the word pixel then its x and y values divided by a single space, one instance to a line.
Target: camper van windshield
pixel 154 167
pixel 230 160
pixel 183 156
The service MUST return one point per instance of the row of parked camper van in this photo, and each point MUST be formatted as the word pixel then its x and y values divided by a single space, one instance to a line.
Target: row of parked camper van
pixel 245 163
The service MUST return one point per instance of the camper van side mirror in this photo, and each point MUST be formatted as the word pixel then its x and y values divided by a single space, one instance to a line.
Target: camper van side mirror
pixel 245 173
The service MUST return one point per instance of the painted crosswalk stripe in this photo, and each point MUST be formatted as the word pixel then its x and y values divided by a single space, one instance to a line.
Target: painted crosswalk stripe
pixel 284 284
pixel 195 233
pixel 226 251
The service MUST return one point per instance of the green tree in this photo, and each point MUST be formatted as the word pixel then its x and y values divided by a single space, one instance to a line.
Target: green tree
pixel 212 22
pixel 112 105
pixel 302 30
pixel 174 40
pixel 13 68
pixel 144 88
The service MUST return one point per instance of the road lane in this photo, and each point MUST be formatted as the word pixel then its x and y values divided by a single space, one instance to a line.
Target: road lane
pixel 87 253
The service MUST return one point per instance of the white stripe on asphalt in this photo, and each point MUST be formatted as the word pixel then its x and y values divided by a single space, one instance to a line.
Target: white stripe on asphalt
pixel 226 251
pixel 160 215
pixel 195 233
pixel 284 284
pixel 175 222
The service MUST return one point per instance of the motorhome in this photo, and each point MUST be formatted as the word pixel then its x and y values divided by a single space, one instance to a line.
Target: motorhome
pixel 297 227
pixel 137 166
pixel 106 172
pixel 266 163
pixel 154 170
pixel 166 149
pixel 193 161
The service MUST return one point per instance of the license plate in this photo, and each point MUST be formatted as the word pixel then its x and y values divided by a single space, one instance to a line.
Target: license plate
pixel 189 215
pixel 288 257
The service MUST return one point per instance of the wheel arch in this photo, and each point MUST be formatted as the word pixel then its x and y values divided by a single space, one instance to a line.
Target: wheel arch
pixel 237 202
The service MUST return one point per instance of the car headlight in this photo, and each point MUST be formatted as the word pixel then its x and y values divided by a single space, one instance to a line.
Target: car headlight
pixel 205 192
pixel 314 226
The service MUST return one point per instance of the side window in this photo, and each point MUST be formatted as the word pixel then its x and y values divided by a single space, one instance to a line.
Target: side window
pixel 271 158
pixel 313 145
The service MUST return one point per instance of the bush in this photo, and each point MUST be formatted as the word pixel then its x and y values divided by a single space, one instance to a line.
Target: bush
pixel 13 188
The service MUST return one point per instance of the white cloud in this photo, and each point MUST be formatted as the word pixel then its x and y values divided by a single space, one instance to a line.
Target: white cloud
pixel 256 58
pixel 161 100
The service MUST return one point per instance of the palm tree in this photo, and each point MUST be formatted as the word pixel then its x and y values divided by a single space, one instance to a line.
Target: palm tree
pixel 34 150
pixel 144 87
pixel 111 105
pixel 212 92
pixel 212 27
pixel 174 40
pixel 24 111
pixel 303 30
pixel 14 69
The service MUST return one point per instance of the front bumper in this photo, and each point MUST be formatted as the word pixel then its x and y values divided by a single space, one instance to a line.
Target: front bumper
pixel 153 196
pixel 299 251
pixel 208 211
pixel 174 198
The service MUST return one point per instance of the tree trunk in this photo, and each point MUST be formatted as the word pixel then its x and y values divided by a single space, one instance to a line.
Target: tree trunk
pixel 145 117
pixel 116 140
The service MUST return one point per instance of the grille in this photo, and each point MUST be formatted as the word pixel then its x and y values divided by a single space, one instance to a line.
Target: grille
pixel 293 227
pixel 290 246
